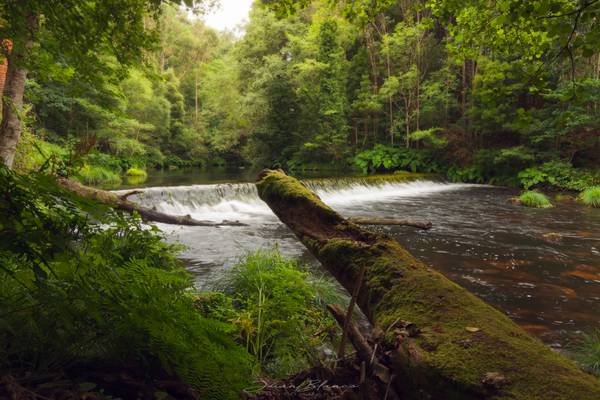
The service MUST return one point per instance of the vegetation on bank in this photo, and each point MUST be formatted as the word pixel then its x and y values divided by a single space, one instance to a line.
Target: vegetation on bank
pixel 137 172
pixel 279 311
pixel 588 353
pixel 116 300
pixel 109 291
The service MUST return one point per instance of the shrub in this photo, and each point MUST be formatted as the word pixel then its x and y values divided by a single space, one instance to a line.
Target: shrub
pixel 591 196
pixel 105 161
pixel 137 172
pixel 468 174
pixel 559 174
pixel 534 199
pixel 33 152
pixel 95 287
pixel 385 158
pixel 588 353
pixel 279 310
pixel 97 176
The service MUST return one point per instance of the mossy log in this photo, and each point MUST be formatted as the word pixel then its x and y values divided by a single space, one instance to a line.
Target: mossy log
pixel 147 214
pixel 464 349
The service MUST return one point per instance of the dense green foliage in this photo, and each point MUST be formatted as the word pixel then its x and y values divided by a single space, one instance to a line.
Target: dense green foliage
pixel 535 200
pixel 279 311
pixel 416 85
pixel 81 285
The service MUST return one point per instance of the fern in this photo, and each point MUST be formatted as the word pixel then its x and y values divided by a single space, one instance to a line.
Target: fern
pixel 82 284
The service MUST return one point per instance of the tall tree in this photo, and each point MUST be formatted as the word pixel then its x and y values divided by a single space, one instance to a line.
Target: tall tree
pixel 86 33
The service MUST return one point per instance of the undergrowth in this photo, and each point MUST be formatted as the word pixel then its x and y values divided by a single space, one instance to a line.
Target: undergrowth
pixel 279 311
pixel 81 285
pixel 97 176
pixel 588 353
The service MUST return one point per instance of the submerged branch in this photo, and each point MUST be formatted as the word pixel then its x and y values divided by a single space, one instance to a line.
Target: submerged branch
pixel 425 225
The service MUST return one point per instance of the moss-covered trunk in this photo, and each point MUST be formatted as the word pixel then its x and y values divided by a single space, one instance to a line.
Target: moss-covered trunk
pixel 465 349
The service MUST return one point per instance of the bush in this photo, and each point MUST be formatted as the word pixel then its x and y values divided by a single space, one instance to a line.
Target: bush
pixel 279 310
pixel 78 293
pixel 33 152
pixel 588 354
pixel 591 196
pixel 97 176
pixel 559 174
pixel 137 172
pixel 105 161
pixel 467 174
pixel 385 159
pixel 535 199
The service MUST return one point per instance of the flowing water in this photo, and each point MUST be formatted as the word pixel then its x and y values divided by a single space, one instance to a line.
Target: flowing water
pixel 540 266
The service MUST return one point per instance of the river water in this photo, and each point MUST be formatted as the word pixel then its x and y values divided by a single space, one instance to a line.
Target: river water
pixel 540 266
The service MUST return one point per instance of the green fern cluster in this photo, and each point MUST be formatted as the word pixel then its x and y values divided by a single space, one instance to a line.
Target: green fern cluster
pixel 80 284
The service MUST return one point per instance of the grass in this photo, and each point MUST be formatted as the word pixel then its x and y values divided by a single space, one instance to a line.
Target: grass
pixel 591 196
pixel 535 200
pixel 97 176
pixel 588 354
pixel 33 152
pixel 279 311
pixel 137 172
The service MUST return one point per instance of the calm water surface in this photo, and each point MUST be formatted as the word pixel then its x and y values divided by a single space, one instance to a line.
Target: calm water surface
pixel 540 266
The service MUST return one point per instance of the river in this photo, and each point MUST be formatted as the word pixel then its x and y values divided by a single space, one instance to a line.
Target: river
pixel 540 266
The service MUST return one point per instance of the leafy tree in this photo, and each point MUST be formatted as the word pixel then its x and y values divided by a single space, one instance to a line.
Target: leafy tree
pixel 85 34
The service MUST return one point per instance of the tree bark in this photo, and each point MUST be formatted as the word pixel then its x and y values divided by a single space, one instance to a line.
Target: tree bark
pixel 147 214
pixel 462 347
pixel 12 99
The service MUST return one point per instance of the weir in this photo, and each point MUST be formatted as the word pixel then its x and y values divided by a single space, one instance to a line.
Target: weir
pixel 240 201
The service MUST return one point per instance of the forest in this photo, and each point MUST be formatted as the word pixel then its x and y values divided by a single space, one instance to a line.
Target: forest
pixel 100 295
pixel 393 86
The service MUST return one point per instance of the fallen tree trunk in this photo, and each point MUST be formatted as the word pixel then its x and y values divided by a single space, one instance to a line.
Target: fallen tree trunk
pixel 147 214
pixel 463 348
pixel 391 221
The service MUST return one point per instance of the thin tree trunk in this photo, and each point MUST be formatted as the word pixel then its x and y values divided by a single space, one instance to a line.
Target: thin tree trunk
pixel 12 99
pixel 196 98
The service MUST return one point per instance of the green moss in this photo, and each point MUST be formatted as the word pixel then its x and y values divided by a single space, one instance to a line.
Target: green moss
pixel 97 176
pixel 591 197
pixel 535 200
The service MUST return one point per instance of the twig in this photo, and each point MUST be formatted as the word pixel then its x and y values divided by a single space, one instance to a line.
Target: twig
pixel 355 293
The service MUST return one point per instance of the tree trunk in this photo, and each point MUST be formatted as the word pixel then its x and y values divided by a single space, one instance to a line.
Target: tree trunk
pixel 12 99
pixel 461 348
